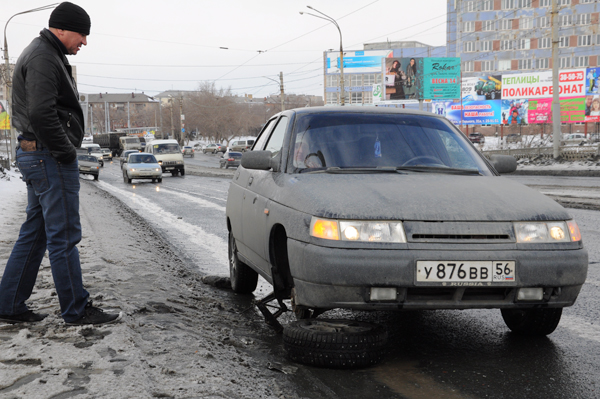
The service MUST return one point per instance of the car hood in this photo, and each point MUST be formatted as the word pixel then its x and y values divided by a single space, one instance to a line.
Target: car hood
pixel 415 196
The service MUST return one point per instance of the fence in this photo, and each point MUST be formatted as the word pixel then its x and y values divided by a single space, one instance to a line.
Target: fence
pixel 573 153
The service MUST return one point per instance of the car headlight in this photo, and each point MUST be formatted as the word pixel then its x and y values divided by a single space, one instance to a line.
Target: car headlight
pixel 132 169
pixel 179 162
pixel 157 170
pixel 357 230
pixel 547 232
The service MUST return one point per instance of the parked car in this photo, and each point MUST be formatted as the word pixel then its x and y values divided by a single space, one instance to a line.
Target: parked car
pixel 88 165
pixel 594 138
pixel 141 165
pixel 107 154
pixel 214 148
pixel 477 138
pixel 513 138
pixel 574 139
pixel 241 145
pixel 187 150
pixel 230 158
pixel 393 209
pixel 125 154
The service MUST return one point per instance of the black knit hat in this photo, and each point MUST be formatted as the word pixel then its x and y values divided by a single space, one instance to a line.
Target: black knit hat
pixel 69 16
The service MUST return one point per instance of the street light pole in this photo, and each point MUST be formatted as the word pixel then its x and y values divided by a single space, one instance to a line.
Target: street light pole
pixel 8 80
pixel 333 21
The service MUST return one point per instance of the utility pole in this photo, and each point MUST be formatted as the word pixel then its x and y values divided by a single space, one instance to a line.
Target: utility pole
pixel 171 101
pixel 181 119
pixel 281 88
pixel 556 119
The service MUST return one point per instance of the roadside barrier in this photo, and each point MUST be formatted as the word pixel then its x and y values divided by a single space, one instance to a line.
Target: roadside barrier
pixel 572 153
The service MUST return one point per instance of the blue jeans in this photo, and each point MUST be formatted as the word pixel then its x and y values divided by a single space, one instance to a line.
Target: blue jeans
pixel 52 223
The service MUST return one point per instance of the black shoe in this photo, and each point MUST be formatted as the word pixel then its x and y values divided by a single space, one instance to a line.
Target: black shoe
pixel 94 315
pixel 26 317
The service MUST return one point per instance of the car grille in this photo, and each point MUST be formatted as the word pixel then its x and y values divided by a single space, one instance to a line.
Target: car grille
pixel 456 232
pixel 169 163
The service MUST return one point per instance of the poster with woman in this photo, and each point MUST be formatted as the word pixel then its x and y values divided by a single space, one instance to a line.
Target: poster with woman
pixel 402 78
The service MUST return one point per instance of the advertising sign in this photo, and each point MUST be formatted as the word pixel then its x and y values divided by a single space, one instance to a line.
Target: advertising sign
pixel 592 109
pixel 4 119
pixel 539 84
pixel 441 78
pixel 421 78
pixel 592 79
pixel 515 112
pixel 473 112
pixel 403 78
pixel 571 110
pixel 486 87
pixel 366 61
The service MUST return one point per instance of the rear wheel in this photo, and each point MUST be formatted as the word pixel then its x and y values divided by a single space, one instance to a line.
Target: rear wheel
pixel 243 278
pixel 334 343
pixel 532 322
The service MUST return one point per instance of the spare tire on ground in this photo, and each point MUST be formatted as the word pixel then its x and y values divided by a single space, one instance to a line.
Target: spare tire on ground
pixel 334 343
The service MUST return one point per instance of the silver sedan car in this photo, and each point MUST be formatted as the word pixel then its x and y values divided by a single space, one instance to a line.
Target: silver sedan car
pixel 141 165
pixel 376 208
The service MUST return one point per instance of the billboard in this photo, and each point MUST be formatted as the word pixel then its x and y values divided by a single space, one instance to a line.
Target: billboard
pixel 365 61
pixel 572 110
pixel 421 78
pixel 4 119
pixel 533 85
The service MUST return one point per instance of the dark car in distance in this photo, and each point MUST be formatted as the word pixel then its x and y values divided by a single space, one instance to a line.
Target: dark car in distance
pixel 394 209
pixel 230 159
pixel 477 138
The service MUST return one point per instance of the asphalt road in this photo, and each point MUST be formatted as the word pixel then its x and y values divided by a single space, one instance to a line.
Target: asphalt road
pixel 435 354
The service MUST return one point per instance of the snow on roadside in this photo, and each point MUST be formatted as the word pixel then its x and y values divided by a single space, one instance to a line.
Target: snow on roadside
pixel 13 197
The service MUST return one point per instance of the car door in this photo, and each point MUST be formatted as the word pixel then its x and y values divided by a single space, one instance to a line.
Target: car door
pixel 259 187
pixel 237 194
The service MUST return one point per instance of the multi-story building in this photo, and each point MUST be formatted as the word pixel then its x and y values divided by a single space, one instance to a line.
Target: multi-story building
pixel 516 35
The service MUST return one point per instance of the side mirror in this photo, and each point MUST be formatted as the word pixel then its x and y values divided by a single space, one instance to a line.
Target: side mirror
pixel 260 160
pixel 504 163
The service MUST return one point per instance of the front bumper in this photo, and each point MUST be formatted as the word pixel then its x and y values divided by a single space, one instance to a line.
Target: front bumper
pixel 328 278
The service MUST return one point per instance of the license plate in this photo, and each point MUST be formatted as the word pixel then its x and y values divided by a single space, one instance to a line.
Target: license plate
pixel 458 273
pixel 169 168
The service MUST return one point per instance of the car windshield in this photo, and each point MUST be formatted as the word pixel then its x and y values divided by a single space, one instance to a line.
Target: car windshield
pixel 87 158
pixel 142 158
pixel 366 140
pixel 167 148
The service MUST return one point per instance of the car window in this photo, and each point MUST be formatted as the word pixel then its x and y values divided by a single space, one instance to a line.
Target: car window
pixel 170 148
pixel 264 135
pixel 276 140
pixel 358 140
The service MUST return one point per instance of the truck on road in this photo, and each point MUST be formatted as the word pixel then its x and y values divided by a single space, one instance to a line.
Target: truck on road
pixel 117 142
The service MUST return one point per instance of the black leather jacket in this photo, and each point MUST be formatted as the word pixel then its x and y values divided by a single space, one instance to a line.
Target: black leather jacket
pixel 45 99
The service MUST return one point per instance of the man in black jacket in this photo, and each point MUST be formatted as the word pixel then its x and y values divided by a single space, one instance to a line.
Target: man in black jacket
pixel 47 114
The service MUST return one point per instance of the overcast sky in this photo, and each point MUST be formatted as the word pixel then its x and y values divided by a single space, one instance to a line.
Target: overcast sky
pixel 151 46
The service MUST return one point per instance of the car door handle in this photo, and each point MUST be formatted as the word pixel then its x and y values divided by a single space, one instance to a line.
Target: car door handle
pixel 250 181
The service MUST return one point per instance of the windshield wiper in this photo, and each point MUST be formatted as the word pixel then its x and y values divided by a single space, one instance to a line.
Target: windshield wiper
pixel 439 169
pixel 351 170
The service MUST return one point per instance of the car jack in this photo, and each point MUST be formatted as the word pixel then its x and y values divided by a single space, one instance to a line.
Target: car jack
pixel 271 318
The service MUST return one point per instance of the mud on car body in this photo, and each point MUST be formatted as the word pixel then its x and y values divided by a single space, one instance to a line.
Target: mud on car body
pixel 396 210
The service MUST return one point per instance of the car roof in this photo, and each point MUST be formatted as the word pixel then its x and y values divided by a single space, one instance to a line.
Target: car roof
pixel 354 110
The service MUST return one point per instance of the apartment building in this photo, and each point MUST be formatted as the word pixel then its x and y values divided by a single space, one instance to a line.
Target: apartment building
pixel 516 35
